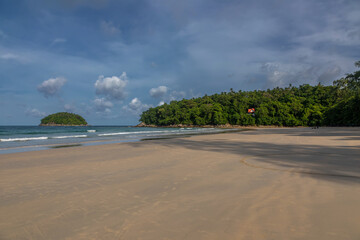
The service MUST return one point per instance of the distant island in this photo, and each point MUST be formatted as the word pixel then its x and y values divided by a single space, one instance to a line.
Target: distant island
pixel 305 105
pixel 63 119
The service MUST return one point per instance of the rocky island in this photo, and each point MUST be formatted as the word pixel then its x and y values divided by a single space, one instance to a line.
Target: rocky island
pixel 63 119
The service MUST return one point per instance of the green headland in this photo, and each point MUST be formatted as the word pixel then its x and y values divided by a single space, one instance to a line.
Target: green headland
pixel 305 105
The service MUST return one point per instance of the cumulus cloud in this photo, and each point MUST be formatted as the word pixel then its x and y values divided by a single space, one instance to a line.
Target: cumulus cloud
pixel 103 105
pixel 109 28
pixel 112 87
pixel 33 112
pixel 136 106
pixel 51 86
pixel 158 92
pixel 164 95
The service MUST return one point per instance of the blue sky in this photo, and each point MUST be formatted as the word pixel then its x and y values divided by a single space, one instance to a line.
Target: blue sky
pixel 110 60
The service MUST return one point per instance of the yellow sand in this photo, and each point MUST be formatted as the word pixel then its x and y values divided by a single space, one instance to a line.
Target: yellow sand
pixel 264 184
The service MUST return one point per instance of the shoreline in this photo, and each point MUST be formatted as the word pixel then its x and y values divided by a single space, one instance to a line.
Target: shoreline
pixel 62 125
pixel 229 126
pixel 226 126
pixel 275 183
pixel 83 141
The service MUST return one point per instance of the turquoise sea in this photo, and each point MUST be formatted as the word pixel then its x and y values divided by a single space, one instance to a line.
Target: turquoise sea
pixel 30 138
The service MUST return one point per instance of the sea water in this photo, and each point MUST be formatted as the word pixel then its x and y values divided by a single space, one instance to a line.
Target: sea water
pixel 29 138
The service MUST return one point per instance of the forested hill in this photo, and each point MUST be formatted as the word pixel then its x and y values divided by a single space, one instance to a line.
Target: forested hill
pixel 336 105
pixel 63 119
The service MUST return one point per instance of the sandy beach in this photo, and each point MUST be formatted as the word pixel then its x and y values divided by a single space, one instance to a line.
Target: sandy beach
pixel 281 183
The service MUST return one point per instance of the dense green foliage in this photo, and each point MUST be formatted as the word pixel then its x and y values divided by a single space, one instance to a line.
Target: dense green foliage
pixel 336 105
pixel 63 118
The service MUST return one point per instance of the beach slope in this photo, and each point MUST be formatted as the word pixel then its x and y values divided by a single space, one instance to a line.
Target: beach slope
pixel 283 183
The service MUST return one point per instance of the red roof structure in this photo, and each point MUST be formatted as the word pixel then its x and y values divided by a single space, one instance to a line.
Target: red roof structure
pixel 251 110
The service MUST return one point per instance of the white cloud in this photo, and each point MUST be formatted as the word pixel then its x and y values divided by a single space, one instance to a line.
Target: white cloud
pixel 58 40
pixel 283 74
pixel 109 28
pixel 9 56
pixel 97 4
pixel 269 66
pixel 69 108
pixel 177 95
pixel 162 93
pixel 51 86
pixel 329 75
pixel 102 105
pixel 136 106
pixel 158 92
pixel 112 87
pixel 336 36
pixel 2 34
pixel 33 112
pixel 278 78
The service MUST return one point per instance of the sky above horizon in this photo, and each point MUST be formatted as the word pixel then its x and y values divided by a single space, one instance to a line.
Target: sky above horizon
pixel 110 60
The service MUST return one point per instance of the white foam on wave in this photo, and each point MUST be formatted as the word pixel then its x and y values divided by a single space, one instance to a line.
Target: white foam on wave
pixel 140 132
pixel 22 139
pixel 70 136
pixel 159 132
pixel 113 134
pixel 92 131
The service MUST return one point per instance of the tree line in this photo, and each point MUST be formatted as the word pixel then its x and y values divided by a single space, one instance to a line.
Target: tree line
pixel 305 105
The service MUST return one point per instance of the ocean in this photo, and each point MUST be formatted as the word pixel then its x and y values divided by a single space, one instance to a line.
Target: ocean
pixel 31 138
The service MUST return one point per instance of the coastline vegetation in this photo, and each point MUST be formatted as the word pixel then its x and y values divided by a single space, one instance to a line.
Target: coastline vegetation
pixel 305 105
pixel 63 119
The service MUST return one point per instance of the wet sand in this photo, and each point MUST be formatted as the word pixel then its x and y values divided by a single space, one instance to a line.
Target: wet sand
pixel 298 183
